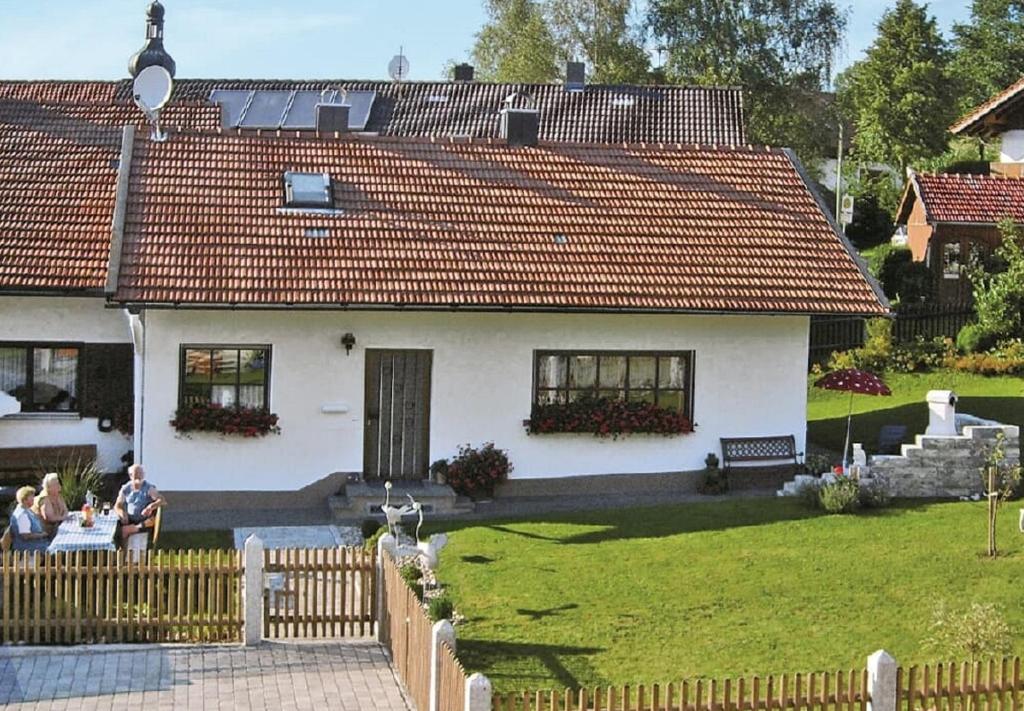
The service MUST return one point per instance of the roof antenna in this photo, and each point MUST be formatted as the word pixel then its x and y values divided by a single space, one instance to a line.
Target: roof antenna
pixel 151 91
pixel 398 68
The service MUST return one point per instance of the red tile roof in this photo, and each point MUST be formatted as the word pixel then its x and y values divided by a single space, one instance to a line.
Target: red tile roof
pixel 57 180
pixel 953 197
pixel 977 122
pixel 480 225
pixel 600 114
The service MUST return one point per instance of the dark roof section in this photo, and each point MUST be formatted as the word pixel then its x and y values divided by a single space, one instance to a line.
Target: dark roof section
pixel 963 198
pixel 599 114
pixel 481 225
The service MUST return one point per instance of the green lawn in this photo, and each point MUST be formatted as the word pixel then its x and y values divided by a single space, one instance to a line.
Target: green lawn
pixel 715 589
pixel 196 540
pixel 997 398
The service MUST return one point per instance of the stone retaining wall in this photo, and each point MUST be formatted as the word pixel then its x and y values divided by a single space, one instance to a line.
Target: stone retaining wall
pixel 944 466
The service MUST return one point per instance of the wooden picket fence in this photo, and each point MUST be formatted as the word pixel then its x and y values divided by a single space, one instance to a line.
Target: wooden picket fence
pixel 107 596
pixel 405 631
pixel 452 681
pixel 319 592
pixel 961 687
pixel 841 691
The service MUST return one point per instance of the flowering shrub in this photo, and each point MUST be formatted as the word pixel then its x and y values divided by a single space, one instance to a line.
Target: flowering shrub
pixel 241 421
pixel 607 418
pixel 475 472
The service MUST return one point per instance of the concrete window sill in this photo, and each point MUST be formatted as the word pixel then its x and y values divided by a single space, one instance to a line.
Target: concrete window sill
pixel 44 416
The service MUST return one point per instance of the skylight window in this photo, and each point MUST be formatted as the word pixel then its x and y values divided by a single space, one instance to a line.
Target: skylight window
pixel 307 190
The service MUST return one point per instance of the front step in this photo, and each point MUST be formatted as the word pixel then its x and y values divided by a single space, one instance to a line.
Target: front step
pixel 362 499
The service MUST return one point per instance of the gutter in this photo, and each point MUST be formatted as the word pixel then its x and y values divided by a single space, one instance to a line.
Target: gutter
pixel 124 170
pixel 222 306
pixel 862 265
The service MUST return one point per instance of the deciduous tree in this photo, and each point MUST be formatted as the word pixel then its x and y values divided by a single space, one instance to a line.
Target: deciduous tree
pixel 779 51
pixel 605 35
pixel 516 44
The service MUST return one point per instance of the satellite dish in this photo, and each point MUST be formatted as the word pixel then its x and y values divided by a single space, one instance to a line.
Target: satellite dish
pixel 152 88
pixel 398 67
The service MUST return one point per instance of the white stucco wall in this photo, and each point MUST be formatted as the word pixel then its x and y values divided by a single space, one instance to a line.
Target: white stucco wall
pixel 1012 150
pixel 750 380
pixel 62 319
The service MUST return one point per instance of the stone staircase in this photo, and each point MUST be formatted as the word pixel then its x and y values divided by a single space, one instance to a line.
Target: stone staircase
pixel 360 500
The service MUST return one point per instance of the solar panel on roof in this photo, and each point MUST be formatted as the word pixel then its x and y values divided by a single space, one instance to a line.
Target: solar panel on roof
pixel 361 103
pixel 294 110
pixel 232 104
pixel 267 109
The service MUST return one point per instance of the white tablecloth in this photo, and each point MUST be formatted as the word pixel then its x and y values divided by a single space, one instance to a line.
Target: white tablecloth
pixel 71 536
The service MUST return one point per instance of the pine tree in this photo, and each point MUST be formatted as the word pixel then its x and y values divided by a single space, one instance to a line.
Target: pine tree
pixel 900 96
pixel 988 51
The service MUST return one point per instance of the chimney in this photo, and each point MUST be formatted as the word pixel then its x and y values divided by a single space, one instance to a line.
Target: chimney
pixel 464 72
pixel 520 127
pixel 575 76
pixel 332 118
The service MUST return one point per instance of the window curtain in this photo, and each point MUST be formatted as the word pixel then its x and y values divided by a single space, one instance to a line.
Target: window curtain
pixel 13 376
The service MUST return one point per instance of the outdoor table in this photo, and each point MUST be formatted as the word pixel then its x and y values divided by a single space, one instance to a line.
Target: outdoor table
pixel 71 536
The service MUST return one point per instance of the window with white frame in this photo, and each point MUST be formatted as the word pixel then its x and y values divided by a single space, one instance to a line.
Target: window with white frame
pixel 951 262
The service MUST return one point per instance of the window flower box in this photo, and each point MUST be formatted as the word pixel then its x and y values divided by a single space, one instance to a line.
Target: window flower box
pixel 607 418
pixel 235 421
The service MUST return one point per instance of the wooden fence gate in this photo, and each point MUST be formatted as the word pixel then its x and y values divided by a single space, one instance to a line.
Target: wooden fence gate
pixel 319 592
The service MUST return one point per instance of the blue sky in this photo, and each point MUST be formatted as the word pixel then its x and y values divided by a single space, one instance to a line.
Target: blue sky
pixel 60 39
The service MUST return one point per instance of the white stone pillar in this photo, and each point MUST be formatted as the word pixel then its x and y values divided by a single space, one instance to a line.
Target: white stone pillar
pixel 387 543
pixel 253 590
pixel 478 693
pixel 441 632
pixel 882 681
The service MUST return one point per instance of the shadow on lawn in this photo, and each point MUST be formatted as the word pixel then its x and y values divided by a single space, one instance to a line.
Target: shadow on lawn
pixel 534 666
pixel 864 427
pixel 664 521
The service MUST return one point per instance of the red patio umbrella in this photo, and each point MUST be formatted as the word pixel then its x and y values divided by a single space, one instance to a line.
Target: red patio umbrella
pixel 853 381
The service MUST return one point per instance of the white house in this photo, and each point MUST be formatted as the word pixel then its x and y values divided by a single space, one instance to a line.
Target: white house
pixel 389 298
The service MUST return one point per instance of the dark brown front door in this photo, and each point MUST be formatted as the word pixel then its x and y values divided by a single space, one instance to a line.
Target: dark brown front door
pixel 396 434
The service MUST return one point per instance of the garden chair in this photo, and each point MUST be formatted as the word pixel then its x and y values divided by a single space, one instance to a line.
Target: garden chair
pixel 7 540
pixel 138 543
pixel 890 438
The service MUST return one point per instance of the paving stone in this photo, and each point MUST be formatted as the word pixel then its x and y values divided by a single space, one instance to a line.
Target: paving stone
pixel 278 675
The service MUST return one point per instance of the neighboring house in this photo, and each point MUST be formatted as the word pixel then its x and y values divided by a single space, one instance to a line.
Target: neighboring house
pixel 950 216
pixel 400 289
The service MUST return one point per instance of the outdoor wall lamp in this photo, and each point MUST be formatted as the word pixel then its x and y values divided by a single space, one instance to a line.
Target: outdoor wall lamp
pixel 348 340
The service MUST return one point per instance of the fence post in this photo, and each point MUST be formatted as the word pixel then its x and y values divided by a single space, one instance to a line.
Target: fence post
pixel 882 682
pixel 478 693
pixel 253 590
pixel 387 543
pixel 442 631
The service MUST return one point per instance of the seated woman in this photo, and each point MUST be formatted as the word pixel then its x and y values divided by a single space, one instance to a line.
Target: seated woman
pixel 27 528
pixel 50 505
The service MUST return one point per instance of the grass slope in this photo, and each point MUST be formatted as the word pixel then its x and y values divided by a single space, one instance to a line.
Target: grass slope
pixel 996 398
pixel 715 589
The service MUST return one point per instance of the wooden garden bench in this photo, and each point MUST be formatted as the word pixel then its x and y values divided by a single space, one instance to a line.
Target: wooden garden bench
pixel 780 448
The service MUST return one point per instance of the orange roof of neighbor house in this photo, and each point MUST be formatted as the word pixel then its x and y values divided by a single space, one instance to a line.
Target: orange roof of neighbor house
pixel 423 223
pixel 964 198
pixel 985 118
pixel 58 171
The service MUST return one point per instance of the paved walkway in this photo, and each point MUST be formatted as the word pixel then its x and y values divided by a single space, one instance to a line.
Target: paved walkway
pixel 275 675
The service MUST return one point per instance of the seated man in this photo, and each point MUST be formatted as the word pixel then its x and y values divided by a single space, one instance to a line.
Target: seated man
pixel 137 503
pixel 26 527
